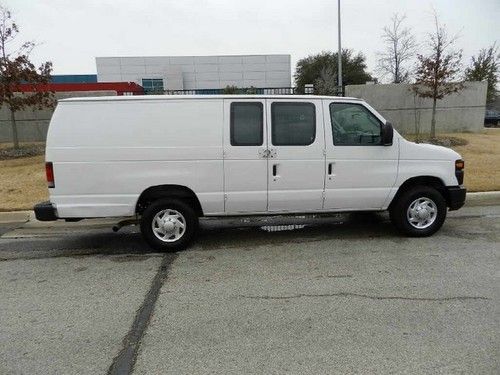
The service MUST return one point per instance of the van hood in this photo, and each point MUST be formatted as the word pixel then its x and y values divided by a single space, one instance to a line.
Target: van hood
pixel 424 151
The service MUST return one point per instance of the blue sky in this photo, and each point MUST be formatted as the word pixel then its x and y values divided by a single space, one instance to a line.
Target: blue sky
pixel 71 33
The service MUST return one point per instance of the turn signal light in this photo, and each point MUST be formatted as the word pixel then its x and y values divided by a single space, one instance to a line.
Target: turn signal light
pixel 49 172
pixel 459 171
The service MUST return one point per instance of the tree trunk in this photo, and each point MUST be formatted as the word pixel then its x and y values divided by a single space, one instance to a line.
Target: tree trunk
pixel 416 118
pixel 15 138
pixel 433 119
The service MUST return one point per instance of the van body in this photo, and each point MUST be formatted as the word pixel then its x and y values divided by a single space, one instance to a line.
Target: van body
pixel 225 155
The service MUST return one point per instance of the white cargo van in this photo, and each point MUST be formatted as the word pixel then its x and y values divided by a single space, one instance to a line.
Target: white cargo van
pixel 169 160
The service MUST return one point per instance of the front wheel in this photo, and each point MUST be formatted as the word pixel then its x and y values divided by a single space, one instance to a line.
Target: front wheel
pixel 419 211
pixel 169 224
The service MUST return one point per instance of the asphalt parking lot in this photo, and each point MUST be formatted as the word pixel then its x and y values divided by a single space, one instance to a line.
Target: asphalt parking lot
pixel 336 298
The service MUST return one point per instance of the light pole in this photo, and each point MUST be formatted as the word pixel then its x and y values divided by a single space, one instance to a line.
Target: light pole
pixel 339 73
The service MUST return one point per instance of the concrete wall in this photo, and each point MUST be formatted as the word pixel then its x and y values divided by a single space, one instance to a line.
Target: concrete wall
pixel 462 111
pixel 32 124
pixel 199 72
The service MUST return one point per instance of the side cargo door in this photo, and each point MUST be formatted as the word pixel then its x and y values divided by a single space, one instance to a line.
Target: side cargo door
pixel 245 156
pixel 296 171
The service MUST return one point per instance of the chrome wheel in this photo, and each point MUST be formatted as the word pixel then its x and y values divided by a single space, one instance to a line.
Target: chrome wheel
pixel 168 225
pixel 422 213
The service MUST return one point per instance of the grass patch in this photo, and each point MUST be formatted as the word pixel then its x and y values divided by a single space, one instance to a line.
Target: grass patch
pixel 446 141
pixel 22 180
pixel 482 160
pixel 24 150
pixel 22 183
pixel 481 152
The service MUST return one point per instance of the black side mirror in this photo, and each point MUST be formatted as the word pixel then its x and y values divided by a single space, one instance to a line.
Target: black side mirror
pixel 387 134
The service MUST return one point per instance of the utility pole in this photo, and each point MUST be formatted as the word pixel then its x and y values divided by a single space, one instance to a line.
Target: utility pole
pixel 339 73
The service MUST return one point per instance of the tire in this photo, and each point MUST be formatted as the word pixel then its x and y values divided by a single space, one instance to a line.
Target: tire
pixel 412 213
pixel 170 236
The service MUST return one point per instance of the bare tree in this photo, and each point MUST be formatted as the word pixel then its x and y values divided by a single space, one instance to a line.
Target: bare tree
pixel 15 69
pixel 399 50
pixel 326 84
pixel 437 71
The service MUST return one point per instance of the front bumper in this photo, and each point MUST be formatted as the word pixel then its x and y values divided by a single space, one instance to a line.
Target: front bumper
pixel 45 211
pixel 456 197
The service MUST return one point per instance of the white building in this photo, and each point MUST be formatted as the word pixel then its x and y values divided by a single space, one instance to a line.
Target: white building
pixel 197 72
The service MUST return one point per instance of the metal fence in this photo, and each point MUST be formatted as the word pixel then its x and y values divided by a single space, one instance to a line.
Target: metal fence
pixel 308 90
pixel 240 91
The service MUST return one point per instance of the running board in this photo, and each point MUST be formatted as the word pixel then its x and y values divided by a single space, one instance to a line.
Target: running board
pixel 270 221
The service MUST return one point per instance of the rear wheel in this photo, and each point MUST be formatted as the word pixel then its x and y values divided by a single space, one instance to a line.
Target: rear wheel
pixel 169 224
pixel 419 211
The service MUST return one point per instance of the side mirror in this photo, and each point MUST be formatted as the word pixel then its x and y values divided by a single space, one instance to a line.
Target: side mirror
pixel 387 134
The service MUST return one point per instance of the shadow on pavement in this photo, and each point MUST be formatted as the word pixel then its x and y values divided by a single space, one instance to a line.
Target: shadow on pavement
pixel 358 226
pixel 128 241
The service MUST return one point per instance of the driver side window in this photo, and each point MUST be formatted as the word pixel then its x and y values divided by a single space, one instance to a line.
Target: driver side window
pixel 354 125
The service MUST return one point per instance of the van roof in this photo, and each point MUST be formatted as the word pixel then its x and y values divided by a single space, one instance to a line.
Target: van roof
pixel 174 97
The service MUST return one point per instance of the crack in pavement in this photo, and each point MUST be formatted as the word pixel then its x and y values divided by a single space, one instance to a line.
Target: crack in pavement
pixel 124 362
pixel 372 297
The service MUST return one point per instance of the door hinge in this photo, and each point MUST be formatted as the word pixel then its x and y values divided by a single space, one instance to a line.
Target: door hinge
pixel 225 197
pixel 224 153
pixel 263 153
pixel 324 152
pixel 323 195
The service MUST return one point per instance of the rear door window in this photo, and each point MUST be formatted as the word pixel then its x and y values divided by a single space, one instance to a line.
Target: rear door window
pixel 247 125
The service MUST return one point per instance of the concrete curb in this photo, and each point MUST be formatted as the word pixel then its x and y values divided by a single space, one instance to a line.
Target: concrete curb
pixel 488 198
pixel 15 217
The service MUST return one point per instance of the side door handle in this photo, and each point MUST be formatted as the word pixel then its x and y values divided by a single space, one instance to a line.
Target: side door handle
pixel 330 170
pixel 275 172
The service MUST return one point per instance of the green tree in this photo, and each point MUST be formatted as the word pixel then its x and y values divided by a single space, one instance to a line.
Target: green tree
pixel 437 71
pixel 483 67
pixel 230 90
pixel 320 69
pixel 15 69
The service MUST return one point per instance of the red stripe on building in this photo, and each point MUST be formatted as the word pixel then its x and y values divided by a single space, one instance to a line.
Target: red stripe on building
pixel 121 88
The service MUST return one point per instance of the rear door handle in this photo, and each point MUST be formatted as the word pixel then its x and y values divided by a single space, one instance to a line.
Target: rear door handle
pixel 276 176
